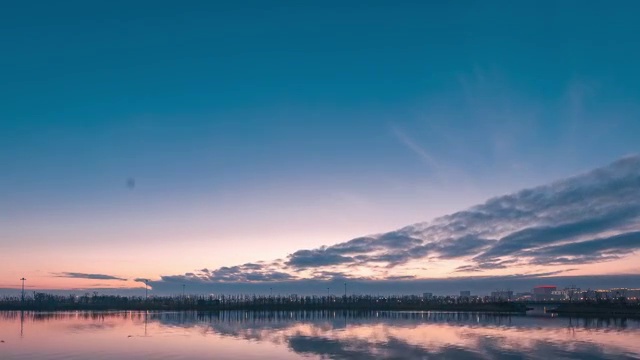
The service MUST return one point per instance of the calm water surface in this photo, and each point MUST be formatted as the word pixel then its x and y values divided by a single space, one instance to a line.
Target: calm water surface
pixel 312 335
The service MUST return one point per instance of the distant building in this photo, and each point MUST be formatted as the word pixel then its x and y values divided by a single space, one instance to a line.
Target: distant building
pixel 523 296
pixel 568 293
pixel 603 295
pixel 611 294
pixel 427 296
pixel 589 295
pixel 502 295
pixel 465 294
pixel 633 294
pixel 629 294
pixel 573 293
pixel 544 292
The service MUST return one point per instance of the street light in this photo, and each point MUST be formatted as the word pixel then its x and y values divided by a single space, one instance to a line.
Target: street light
pixel 182 290
pixel 23 280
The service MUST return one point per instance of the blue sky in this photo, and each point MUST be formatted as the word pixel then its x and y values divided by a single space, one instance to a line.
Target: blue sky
pixel 280 126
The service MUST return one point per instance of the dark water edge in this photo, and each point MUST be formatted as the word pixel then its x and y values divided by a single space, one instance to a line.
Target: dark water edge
pixel 47 302
pixel 613 310
pixel 534 319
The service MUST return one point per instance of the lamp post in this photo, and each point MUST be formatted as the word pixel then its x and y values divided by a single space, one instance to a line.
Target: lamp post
pixel 146 289
pixel 23 280
pixel 183 291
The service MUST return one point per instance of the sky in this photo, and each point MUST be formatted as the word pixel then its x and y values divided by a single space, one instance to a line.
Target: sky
pixel 154 140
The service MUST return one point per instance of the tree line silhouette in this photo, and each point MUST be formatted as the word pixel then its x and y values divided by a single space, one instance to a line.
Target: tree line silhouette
pixel 39 301
pixel 48 302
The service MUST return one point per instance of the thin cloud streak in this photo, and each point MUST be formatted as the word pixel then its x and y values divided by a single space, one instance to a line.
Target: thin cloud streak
pixel 413 146
pixel 76 275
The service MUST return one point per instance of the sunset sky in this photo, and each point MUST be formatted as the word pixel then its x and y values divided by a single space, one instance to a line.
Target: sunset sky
pixel 263 143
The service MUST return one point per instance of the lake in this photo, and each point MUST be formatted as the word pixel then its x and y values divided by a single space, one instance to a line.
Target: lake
pixel 313 335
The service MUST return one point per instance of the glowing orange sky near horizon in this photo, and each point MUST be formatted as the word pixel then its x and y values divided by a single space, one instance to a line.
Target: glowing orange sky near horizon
pixel 43 280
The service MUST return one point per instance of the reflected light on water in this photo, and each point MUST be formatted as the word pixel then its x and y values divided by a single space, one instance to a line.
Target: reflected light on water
pixel 294 335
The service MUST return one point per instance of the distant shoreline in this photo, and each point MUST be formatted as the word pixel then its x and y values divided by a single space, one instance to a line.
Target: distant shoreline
pixel 581 310
pixel 505 308
pixel 48 302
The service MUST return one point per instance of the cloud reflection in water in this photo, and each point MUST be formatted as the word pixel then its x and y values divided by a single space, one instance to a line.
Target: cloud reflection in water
pixel 362 335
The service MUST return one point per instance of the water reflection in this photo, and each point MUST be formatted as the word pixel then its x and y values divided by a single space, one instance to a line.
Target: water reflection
pixel 315 334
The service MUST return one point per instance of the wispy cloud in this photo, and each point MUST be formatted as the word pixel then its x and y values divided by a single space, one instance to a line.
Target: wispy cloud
pixel 412 145
pixel 76 275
